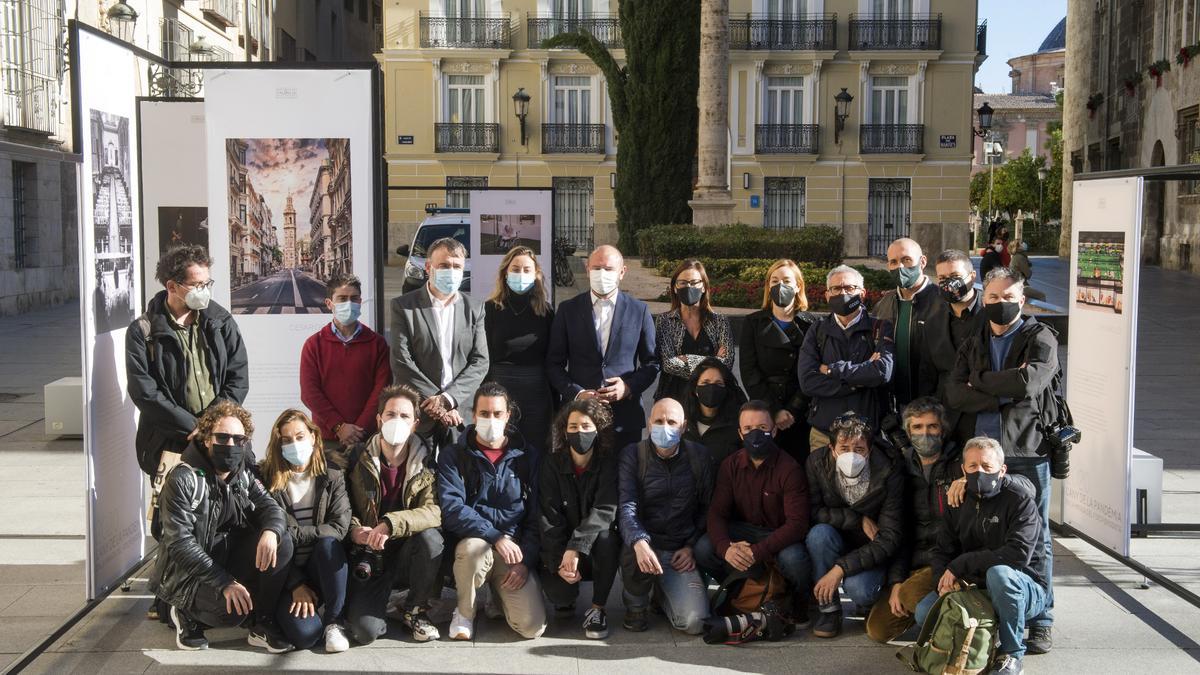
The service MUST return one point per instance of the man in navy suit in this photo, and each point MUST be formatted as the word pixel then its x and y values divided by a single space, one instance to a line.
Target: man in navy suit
pixel 602 345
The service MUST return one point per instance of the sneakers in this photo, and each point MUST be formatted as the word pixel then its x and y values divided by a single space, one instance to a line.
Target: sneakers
pixel 828 625
pixel 1006 664
pixel 460 626
pixel 800 612
pixel 335 639
pixel 491 606
pixel 564 611
pixel 635 620
pixel 423 630
pixel 1039 640
pixel 188 634
pixel 595 623
pixel 268 639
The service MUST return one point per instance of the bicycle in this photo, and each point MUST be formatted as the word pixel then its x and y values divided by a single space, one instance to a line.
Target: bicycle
pixel 563 276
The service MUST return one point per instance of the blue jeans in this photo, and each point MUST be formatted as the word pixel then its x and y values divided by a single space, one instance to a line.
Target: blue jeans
pixel 325 572
pixel 825 546
pixel 1037 470
pixel 682 595
pixel 1017 599
pixel 792 561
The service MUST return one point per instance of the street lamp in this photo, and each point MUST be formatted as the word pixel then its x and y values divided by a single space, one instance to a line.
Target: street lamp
pixel 121 20
pixel 521 108
pixel 1042 175
pixel 841 107
pixel 200 50
pixel 985 120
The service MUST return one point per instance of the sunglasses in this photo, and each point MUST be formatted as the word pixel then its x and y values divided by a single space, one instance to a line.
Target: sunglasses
pixel 848 417
pixel 230 439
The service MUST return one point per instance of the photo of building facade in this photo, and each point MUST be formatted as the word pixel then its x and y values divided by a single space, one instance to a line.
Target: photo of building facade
pixel 112 220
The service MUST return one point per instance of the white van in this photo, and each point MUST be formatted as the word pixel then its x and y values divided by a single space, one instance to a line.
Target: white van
pixel 441 222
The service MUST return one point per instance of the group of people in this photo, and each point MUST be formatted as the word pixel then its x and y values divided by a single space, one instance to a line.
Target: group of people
pixel 891 455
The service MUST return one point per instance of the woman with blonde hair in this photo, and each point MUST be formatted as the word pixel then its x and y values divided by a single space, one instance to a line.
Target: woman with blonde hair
pixel 690 331
pixel 517 319
pixel 313 495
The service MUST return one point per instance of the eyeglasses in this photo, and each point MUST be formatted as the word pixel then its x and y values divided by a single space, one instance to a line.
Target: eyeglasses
pixel 200 286
pixel 694 283
pixel 848 288
pixel 230 439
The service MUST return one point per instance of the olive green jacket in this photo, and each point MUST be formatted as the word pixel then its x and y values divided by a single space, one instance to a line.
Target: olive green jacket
pixel 418 510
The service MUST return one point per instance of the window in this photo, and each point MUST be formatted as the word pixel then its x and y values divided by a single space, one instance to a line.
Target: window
pixel 783 206
pixel 572 100
pixel 24 189
pixel 889 100
pixel 787 9
pixel 892 8
pixel 1031 141
pixel 31 64
pixel 242 212
pixel 785 101
pixel 465 8
pixel 465 102
pixel 287 47
pixel 362 10
pixel 458 190
pixel 572 9
pixel 1093 158
pixel 1189 144
pixel 573 211
pixel 1112 160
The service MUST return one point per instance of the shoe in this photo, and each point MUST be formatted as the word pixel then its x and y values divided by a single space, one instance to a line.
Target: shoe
pixel 188 634
pixel 1006 664
pixel 635 620
pixel 491 608
pixel 460 626
pixel 564 611
pixel 269 639
pixel 1039 640
pixel 800 616
pixel 829 625
pixel 595 623
pixel 335 639
pixel 423 630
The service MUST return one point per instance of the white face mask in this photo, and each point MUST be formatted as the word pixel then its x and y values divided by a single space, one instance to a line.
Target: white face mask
pixel 490 430
pixel 604 281
pixel 396 431
pixel 298 453
pixel 851 465
pixel 198 298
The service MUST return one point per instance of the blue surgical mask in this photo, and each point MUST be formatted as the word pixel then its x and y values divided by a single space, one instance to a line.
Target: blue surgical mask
pixel 297 453
pixel 447 281
pixel 520 282
pixel 346 313
pixel 663 436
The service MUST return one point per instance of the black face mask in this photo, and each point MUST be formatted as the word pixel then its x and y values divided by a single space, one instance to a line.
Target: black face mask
pixel 711 395
pixel 1002 313
pixel 845 304
pixel 782 296
pixel 227 457
pixel 954 289
pixel 759 444
pixel 689 295
pixel 984 484
pixel 581 441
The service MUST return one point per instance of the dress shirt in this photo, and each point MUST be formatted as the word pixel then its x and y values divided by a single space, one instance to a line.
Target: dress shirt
pixel 443 326
pixel 602 317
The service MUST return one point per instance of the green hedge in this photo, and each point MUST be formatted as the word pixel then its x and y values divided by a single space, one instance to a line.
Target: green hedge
pixel 754 269
pixel 814 244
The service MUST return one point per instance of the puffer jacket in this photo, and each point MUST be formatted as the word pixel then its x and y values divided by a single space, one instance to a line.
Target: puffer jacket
pixel 854 382
pixel 575 510
pixel 668 507
pixel 188 535
pixel 331 514
pixel 924 505
pixel 419 507
pixel 883 503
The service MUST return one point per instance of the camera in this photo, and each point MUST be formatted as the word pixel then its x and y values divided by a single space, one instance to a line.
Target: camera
pixel 1057 440
pixel 893 430
pixel 367 563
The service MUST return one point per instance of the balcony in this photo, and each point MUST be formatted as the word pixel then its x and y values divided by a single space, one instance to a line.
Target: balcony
pixel 902 139
pixel 785 139
pixel 222 12
pixel 815 32
pixel 441 32
pixel 466 137
pixel 573 138
pixel 879 32
pixel 32 62
pixel 606 29
pixel 981 38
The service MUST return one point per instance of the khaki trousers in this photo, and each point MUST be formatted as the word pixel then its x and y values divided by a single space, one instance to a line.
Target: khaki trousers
pixel 475 563
pixel 882 625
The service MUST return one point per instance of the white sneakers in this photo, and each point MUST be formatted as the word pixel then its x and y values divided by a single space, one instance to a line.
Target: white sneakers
pixel 460 626
pixel 335 639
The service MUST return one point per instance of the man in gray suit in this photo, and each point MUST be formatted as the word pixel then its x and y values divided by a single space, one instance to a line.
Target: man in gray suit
pixel 438 343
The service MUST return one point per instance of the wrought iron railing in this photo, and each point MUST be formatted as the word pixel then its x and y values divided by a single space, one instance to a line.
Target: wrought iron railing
pixel 568 138
pixel 868 31
pixel 470 33
pixel 226 11
pixel 794 139
pixel 466 137
pixel 606 29
pixel 32 61
pixel 817 31
pixel 891 138
pixel 981 38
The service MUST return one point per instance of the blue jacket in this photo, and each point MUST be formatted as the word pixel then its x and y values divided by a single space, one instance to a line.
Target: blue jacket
pixel 854 382
pixel 485 501
pixel 668 507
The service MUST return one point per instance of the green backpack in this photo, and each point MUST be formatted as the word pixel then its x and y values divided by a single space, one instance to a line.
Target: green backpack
pixel 958 637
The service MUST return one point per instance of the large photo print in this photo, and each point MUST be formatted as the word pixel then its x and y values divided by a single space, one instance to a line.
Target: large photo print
pixel 1100 284
pixel 112 221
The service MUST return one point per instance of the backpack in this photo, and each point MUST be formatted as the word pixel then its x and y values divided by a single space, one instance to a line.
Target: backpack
pixel 199 492
pixel 695 461
pixel 958 637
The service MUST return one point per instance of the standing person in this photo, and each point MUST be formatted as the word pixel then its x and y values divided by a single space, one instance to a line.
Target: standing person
pixel 1003 378
pixel 689 332
pixel 395 522
pixel 665 490
pixel 961 319
pixel 487 483
pixel 846 361
pixel 517 319
pixel 711 403
pixel 991 257
pixel 770 346
pixel 602 345
pixel 438 343
pixel 910 307
pixel 343 367
pixel 578 495
pixel 1018 252
pixel 313 497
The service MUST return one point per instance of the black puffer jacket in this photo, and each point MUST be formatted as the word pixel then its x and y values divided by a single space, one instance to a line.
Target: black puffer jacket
pixel 883 503
pixel 332 515
pixel 184 563
pixel 575 510
pixel 669 507
pixel 924 505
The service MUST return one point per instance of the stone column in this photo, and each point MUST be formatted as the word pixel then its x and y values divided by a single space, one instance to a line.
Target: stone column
pixel 1076 89
pixel 712 202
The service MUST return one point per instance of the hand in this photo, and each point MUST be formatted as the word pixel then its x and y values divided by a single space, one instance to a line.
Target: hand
pixel 304 602
pixel 683 560
pixel 378 536
pixel 433 406
pixel 237 599
pixel 508 551
pixel 739 556
pixel 870 528
pixel 615 390
pixel 894 603
pixel 195 432
pixel 647 561
pixel 824 369
pixel 264 556
pixel 957 492
pixel 452 418
pixel 516 577
pixel 349 433
pixel 784 420
pixel 827 586
pixel 947 583
pixel 568 569
pixel 875 356
pixel 585 394
pixel 359 535
pixel 722 352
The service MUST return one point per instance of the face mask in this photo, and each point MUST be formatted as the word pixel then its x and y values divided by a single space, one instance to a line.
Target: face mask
pixel 1024 246
pixel 954 289
pixel 447 281
pixel 581 441
pixel 198 298
pixel 926 445
pixel 851 465
pixel 396 431
pixel 759 444
pixel 604 282
pixel 998 248
pixel 711 395
pixel 1002 313
pixel 906 277
pixel 227 457
pixel 347 312
pixel 782 296
pixel 663 436
pixel 689 295
pixel 984 484
pixel 520 282
pixel 298 453
pixel 845 304
pixel 490 430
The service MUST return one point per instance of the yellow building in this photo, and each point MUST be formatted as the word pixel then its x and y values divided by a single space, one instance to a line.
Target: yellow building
pixel 901 164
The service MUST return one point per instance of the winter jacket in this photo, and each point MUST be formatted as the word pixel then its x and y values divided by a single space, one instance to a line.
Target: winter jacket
pixel 768 360
pixel 854 382
pixel 1002 530
pixel 925 502
pixel 927 304
pixel 883 503
pixel 939 348
pixel 721 437
pixel 331 515
pixel 156 367
pixel 184 562
pixel 667 507
pixel 340 381
pixel 1025 384
pixel 575 510
pixel 773 495
pixel 488 502
pixel 418 506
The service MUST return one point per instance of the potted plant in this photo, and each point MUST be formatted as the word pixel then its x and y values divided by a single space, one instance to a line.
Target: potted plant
pixel 1094 102
pixel 1157 69
pixel 1186 54
pixel 1131 83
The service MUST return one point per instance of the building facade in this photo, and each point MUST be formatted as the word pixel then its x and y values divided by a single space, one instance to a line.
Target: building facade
pixel 902 165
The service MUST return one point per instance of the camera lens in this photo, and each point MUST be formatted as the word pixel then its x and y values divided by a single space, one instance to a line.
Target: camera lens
pixel 362 571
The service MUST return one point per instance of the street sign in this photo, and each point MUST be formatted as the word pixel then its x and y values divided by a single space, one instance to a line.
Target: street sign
pixel 754 201
pixel 948 140
pixel 405 140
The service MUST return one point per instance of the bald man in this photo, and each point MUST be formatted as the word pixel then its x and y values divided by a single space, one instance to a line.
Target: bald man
pixel 913 304
pixel 602 345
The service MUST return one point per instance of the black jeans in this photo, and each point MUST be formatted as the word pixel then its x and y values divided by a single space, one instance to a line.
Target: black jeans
pixel 599 566
pixel 325 573
pixel 236 553
pixel 413 562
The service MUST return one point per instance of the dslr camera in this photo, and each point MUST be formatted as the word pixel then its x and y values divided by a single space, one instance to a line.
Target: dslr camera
pixel 1057 440
pixel 367 563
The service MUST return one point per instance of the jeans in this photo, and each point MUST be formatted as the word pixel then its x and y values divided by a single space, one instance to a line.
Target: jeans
pixel 1037 470
pixel 825 546
pixel 236 553
pixel 325 572
pixel 600 566
pixel 792 562
pixel 1015 596
pixel 476 563
pixel 682 595
pixel 414 562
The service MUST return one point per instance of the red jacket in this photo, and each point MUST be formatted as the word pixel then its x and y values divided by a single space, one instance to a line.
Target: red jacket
pixel 340 382
pixel 773 496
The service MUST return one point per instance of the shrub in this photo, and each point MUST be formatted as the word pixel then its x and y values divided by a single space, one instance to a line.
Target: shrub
pixel 816 244
pixel 748 294
pixel 755 269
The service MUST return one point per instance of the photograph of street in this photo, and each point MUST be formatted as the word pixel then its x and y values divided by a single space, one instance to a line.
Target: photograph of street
pixel 289 222
pixel 178 225
pixel 112 221
pixel 500 233
pixel 1101 270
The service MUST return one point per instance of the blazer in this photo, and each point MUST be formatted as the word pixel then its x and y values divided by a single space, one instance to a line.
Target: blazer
pixel 574 361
